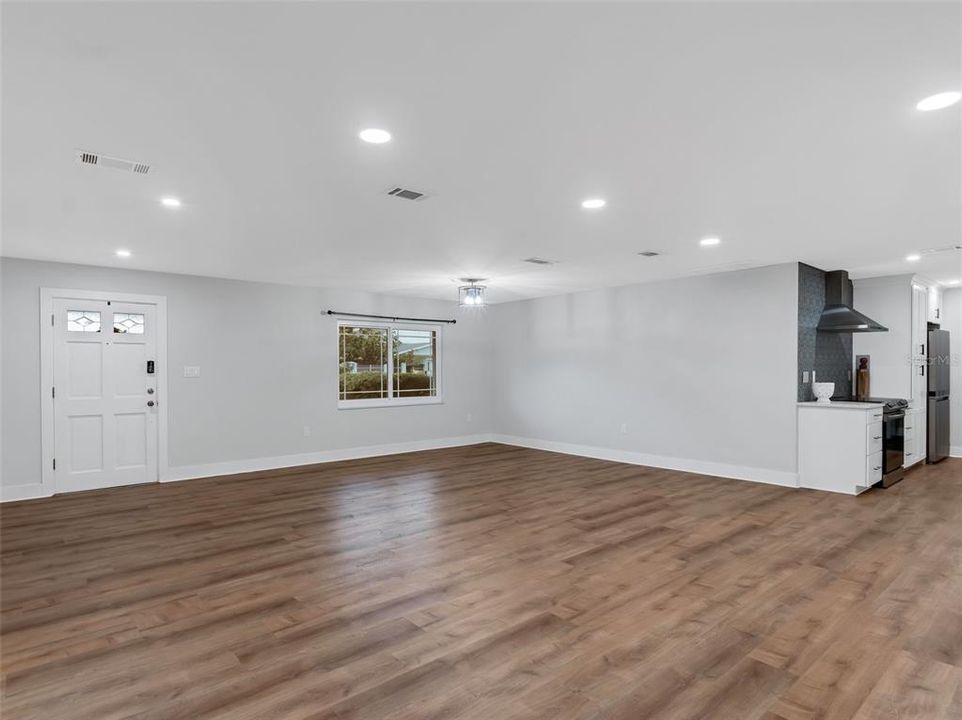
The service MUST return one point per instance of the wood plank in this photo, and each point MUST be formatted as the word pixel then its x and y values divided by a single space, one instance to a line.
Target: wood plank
pixel 480 582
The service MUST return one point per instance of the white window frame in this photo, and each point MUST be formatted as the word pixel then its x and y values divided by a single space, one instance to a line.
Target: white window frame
pixel 391 400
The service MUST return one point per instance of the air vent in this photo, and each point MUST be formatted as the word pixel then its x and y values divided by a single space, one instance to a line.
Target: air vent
pixel 932 251
pixel 89 158
pixel 538 261
pixel 406 193
pixel 649 253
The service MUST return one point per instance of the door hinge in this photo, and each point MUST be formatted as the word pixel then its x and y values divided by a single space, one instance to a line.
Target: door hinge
pixel 51 319
pixel 53 391
pixel 55 463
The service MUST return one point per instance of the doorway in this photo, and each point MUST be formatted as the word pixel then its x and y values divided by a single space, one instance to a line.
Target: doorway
pixel 103 389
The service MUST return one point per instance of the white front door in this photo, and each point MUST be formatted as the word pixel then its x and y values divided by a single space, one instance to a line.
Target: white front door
pixel 104 393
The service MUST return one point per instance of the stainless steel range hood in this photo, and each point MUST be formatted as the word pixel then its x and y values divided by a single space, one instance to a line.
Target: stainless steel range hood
pixel 839 315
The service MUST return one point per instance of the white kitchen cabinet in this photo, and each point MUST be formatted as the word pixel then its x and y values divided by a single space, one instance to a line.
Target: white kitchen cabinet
pixel 903 303
pixel 917 412
pixel 934 313
pixel 839 446
pixel 914 437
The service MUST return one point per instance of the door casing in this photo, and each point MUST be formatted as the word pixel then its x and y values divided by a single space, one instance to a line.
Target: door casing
pixel 47 297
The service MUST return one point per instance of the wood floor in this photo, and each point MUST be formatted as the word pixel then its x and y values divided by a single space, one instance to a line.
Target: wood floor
pixel 486 582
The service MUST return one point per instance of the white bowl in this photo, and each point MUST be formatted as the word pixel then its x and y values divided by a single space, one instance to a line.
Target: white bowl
pixel 823 391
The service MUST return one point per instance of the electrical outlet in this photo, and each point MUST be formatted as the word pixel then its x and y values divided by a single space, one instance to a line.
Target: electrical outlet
pixel 307 431
pixel 624 428
pixel 192 371
pixel 804 376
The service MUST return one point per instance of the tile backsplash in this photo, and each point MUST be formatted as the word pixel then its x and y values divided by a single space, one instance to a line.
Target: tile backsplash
pixel 828 354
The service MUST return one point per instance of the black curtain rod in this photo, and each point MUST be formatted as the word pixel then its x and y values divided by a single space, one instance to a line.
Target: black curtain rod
pixel 389 317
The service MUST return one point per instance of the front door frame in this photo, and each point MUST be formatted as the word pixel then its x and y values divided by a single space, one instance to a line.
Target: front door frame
pixel 47 297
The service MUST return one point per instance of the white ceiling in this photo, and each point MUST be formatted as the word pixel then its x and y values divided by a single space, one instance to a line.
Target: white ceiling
pixel 789 130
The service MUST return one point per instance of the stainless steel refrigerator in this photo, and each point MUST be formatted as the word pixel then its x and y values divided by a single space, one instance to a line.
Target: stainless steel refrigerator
pixel 938 417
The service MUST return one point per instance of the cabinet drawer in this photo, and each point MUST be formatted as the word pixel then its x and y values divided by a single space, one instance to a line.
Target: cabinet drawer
pixel 873 468
pixel 874 416
pixel 873 438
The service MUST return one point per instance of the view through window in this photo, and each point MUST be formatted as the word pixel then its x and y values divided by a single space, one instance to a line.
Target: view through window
pixel 382 364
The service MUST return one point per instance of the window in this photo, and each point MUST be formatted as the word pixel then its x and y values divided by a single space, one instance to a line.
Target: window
pixel 387 364
pixel 83 321
pixel 129 323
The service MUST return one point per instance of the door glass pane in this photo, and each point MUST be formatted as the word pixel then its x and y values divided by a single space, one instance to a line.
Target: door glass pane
pixel 362 363
pixel 415 363
pixel 129 323
pixel 83 321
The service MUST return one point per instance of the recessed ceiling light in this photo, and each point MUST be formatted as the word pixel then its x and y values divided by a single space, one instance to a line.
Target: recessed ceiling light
pixel 710 241
pixel 951 282
pixel 593 203
pixel 939 101
pixel 375 135
pixel 914 257
pixel 170 202
pixel 123 253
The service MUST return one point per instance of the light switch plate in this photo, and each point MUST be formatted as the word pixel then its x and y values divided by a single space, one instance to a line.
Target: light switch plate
pixel 804 376
pixel 191 371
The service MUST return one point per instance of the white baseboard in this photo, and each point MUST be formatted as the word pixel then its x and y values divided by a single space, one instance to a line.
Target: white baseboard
pixel 955 451
pixel 23 492
pixel 233 467
pixel 700 467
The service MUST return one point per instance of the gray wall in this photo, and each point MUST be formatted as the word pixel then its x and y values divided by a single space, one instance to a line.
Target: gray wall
pixel 952 321
pixel 268 367
pixel 700 368
pixel 887 300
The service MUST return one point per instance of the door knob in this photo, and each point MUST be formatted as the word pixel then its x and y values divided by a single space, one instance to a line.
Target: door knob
pixel 150 391
pixel 150 403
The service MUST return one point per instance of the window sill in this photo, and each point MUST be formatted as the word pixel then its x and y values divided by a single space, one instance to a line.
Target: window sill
pixel 360 404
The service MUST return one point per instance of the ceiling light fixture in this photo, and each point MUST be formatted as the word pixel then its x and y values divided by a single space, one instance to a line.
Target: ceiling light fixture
pixel 170 202
pixel 951 282
pixel 710 241
pixel 938 101
pixel 472 294
pixel 914 257
pixel 123 253
pixel 376 136
pixel 593 203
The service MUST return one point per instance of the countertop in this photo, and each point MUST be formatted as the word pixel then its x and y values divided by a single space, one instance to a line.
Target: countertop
pixel 842 405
